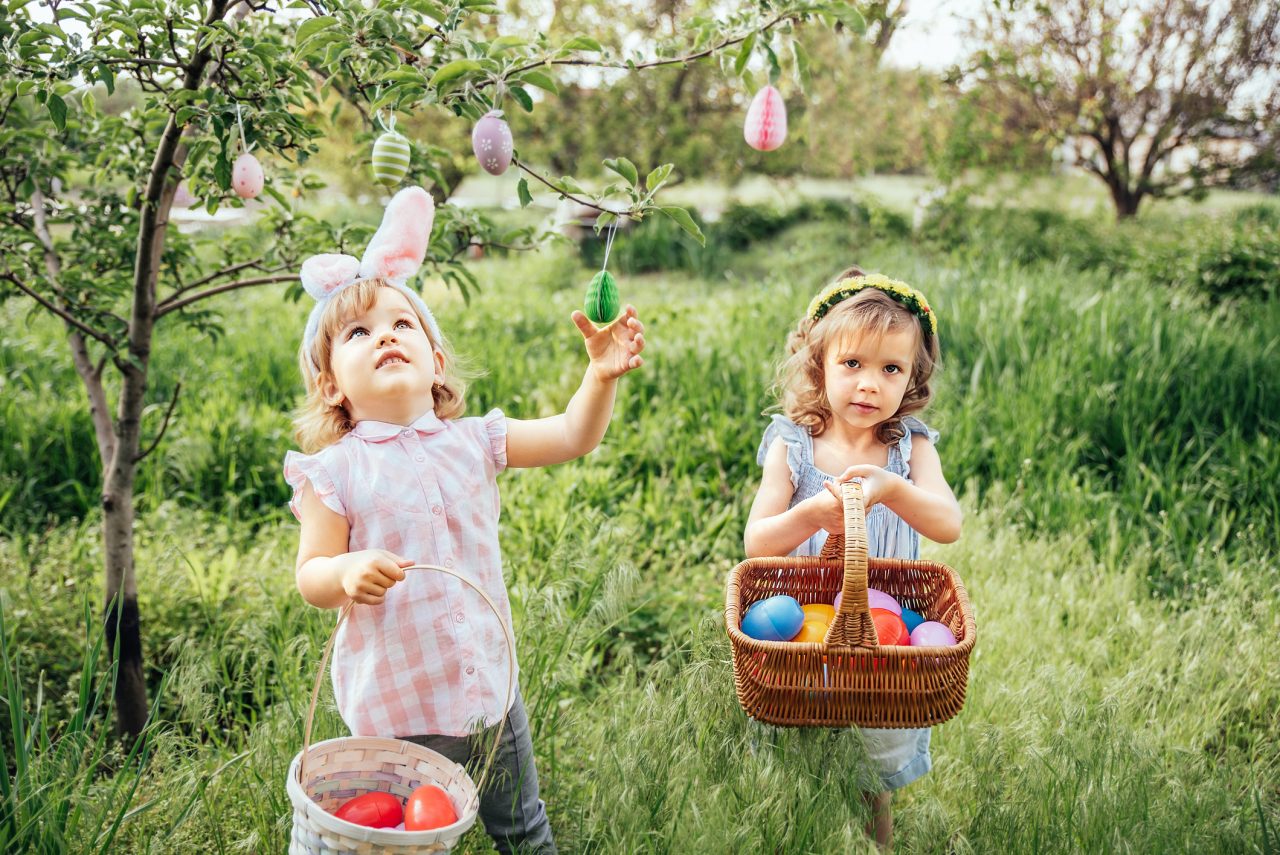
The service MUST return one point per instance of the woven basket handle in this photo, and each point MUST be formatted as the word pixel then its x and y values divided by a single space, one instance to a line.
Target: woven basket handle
pixel 511 675
pixel 852 624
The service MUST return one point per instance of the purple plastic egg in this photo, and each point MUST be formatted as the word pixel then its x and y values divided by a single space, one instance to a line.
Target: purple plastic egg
pixel 491 141
pixel 881 600
pixel 766 125
pixel 932 634
pixel 246 176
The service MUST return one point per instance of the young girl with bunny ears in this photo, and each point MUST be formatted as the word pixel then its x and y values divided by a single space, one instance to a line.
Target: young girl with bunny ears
pixel 394 475
pixel 858 374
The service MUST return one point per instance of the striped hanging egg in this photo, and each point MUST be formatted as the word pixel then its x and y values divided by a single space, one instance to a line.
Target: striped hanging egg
pixel 491 142
pixel 766 125
pixel 246 176
pixel 601 305
pixel 391 155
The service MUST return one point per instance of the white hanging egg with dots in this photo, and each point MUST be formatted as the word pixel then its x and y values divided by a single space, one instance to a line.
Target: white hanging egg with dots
pixel 246 176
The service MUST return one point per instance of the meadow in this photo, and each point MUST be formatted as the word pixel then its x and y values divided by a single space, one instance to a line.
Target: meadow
pixel 1109 415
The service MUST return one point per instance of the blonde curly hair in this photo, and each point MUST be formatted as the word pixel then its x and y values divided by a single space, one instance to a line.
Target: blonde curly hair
pixel 318 424
pixel 800 385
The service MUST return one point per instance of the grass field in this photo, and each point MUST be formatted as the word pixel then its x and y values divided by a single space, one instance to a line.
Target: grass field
pixel 1113 441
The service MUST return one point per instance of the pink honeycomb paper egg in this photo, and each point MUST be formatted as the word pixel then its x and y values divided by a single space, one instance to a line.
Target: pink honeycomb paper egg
pixel 766 125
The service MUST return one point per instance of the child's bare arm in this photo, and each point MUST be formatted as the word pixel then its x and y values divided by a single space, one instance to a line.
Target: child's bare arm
pixel 772 528
pixel 327 574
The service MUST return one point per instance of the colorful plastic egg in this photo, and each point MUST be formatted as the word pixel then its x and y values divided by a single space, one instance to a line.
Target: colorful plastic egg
pixel 880 600
pixel 491 142
pixel 601 303
pixel 766 125
pixel 429 807
pixel 246 176
pixel 776 618
pixel 819 611
pixel 889 628
pixel 391 157
pixel 372 810
pixel 811 632
pixel 932 634
pixel 911 619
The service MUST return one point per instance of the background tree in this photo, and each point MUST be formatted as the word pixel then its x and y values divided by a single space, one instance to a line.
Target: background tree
pixel 86 193
pixel 1156 99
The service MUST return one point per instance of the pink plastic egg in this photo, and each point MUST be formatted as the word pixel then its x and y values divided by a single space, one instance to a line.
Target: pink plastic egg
pixel 932 634
pixel 246 176
pixel 766 125
pixel 875 600
pixel 491 141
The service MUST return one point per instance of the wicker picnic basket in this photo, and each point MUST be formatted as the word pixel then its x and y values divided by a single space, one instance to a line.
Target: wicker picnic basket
pixel 323 776
pixel 849 679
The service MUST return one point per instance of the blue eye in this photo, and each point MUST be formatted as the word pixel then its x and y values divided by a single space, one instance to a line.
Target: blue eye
pixel 404 323
pixel 357 331
pixel 892 369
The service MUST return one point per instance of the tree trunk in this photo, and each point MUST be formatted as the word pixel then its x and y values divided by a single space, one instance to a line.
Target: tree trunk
pixel 1126 201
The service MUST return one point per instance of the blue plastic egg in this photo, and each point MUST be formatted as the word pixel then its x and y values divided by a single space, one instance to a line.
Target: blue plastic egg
pixel 774 619
pixel 912 619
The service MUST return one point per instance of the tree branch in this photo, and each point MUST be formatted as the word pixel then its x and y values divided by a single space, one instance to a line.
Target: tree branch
pixel 226 271
pixel 164 426
pixel 167 307
pixel 66 316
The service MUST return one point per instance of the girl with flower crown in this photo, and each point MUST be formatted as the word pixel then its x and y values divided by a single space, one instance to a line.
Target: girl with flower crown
pixel 393 475
pixel 857 376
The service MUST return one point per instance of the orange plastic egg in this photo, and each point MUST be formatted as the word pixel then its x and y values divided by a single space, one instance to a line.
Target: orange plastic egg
pixel 429 807
pixel 812 631
pixel 889 627
pixel 372 810
pixel 819 611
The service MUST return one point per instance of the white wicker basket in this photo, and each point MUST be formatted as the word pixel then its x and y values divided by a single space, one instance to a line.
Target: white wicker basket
pixel 323 776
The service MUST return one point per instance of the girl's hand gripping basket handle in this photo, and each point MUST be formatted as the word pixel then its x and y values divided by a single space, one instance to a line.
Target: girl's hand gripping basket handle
pixel 852 624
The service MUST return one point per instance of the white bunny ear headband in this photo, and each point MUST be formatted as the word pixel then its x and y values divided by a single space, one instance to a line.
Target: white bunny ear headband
pixel 395 253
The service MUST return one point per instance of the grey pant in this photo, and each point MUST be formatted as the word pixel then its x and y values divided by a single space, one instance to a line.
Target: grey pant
pixel 510 809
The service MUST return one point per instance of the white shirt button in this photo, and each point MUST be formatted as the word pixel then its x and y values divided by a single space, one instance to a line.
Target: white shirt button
pixel 448 562
pixel 471 669
pixel 458 617
pixel 419 457
pixel 435 509
pixel 406 433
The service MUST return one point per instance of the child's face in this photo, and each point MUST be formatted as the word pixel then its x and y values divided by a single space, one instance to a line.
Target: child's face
pixel 866 376
pixel 383 365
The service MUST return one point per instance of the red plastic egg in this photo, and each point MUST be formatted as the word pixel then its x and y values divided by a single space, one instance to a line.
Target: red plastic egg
pixel 491 142
pixel 246 176
pixel 889 627
pixel 766 125
pixel 372 810
pixel 429 807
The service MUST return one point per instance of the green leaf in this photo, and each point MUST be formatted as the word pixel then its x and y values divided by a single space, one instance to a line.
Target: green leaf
pixel 222 171
pixel 88 103
pixel 57 111
pixel 522 190
pixel 523 97
pixel 682 219
pixel 801 63
pixel 625 168
pixel 775 68
pixel 453 70
pixel 311 26
pixel 541 80
pixel 658 177
pixel 744 53
pixel 849 16
pixel 582 43
pixel 502 43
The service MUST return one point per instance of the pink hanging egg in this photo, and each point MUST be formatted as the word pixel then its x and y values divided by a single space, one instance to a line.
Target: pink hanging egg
pixel 491 141
pixel 246 176
pixel 766 125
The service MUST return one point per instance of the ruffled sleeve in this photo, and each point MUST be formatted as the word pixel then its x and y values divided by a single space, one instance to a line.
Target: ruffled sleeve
pixel 913 426
pixel 798 442
pixel 495 429
pixel 300 468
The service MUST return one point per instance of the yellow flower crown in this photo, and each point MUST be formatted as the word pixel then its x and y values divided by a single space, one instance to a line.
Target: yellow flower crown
pixel 900 291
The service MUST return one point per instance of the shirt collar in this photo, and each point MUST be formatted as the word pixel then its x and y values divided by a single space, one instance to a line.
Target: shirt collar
pixel 374 431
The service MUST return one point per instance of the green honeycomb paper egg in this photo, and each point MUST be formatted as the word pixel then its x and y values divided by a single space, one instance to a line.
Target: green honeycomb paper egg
pixel 601 305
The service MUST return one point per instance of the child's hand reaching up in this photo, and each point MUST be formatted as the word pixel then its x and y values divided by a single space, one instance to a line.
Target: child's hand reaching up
pixel 367 575
pixel 615 349
pixel 878 483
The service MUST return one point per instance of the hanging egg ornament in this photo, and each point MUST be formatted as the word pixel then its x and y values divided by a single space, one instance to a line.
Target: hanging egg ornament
pixel 491 141
pixel 246 176
pixel 601 305
pixel 391 155
pixel 766 125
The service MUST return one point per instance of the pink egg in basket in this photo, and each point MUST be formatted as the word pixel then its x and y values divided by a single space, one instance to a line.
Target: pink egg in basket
pixel 932 634
pixel 875 600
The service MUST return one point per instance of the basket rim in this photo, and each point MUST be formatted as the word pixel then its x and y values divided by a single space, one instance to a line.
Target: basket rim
pixel 390 836
pixel 741 640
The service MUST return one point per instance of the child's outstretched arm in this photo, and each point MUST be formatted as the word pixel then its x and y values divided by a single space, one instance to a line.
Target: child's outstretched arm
pixel 925 503
pixel 327 574
pixel 772 528
pixel 613 351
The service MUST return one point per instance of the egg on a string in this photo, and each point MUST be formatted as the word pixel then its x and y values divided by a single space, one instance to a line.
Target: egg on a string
pixel 246 176
pixel 391 156
pixel 601 303
pixel 491 141
pixel 766 125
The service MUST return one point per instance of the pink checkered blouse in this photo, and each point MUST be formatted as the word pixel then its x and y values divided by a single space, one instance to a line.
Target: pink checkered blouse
pixel 432 658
